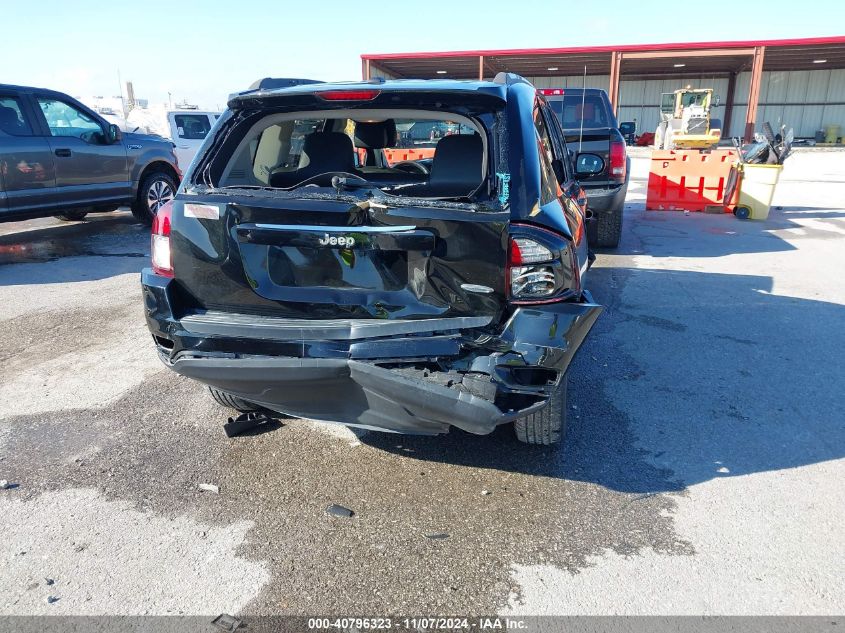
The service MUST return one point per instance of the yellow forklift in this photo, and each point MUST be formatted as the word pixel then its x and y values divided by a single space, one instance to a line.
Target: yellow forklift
pixel 685 121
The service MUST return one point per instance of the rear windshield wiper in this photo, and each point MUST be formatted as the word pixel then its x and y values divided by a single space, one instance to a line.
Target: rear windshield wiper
pixel 344 183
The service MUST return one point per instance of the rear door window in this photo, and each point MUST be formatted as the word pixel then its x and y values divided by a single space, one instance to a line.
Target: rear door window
pixel 194 127
pixel 12 119
pixel 571 111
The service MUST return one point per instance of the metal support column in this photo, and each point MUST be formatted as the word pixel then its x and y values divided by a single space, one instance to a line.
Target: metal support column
pixel 754 92
pixel 729 105
pixel 615 70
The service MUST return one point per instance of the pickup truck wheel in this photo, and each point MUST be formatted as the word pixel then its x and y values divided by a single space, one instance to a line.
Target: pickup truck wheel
pixel 608 228
pixel 547 426
pixel 155 190
pixel 232 402
pixel 71 216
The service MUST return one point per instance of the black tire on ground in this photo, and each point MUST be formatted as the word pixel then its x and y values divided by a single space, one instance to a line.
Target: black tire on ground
pixel 232 402
pixel 71 215
pixel 606 228
pixel 547 426
pixel 157 188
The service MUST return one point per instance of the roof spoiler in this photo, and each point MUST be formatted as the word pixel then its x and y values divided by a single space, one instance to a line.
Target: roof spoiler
pixel 275 83
pixel 508 79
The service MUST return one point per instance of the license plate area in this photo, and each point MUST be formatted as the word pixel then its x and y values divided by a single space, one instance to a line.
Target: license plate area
pixel 355 263
pixel 339 268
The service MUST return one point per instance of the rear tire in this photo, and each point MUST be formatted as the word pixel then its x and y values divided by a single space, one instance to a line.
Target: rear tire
pixel 71 215
pixel 547 426
pixel 232 402
pixel 156 189
pixel 608 228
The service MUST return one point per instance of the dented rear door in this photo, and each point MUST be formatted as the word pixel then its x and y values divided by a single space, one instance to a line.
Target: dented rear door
pixel 326 258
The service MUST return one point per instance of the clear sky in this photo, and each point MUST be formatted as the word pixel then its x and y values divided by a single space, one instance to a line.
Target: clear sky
pixel 202 51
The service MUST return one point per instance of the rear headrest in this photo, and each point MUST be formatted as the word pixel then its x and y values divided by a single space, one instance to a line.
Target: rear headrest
pixel 329 149
pixel 458 159
pixel 375 135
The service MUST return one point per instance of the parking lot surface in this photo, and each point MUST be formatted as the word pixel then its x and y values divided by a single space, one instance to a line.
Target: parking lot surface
pixel 702 473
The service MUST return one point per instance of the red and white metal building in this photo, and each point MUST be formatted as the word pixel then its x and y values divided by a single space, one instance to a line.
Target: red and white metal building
pixel 798 82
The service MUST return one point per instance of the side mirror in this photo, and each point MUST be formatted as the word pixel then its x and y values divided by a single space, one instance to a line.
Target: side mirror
pixel 717 100
pixel 628 127
pixel 113 134
pixel 588 164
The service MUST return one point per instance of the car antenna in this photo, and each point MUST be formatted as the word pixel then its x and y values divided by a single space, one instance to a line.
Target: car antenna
pixel 583 97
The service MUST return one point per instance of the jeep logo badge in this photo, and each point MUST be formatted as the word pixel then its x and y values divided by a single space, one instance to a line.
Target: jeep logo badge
pixel 331 240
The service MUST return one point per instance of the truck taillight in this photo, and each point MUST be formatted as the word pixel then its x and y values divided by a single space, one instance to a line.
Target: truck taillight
pixel 160 241
pixel 540 270
pixel 617 160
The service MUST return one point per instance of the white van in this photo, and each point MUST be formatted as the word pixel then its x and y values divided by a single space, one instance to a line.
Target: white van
pixel 187 128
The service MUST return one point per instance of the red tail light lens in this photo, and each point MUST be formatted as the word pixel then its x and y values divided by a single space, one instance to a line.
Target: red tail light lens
pixel 617 160
pixel 542 266
pixel 531 274
pixel 349 95
pixel 551 91
pixel 162 260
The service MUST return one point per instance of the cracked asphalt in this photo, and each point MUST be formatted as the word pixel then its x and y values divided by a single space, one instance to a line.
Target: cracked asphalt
pixel 702 472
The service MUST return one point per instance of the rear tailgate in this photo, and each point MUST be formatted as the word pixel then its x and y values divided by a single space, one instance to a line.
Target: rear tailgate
pixel 327 258
pixel 309 253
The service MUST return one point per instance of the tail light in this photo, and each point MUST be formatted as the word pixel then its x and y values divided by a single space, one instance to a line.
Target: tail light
pixel 160 241
pixel 541 266
pixel 531 274
pixel 617 160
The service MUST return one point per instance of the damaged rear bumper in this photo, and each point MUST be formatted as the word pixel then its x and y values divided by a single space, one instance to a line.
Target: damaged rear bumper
pixel 409 377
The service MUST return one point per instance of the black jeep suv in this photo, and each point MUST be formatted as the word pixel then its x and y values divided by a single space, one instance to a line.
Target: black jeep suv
pixel 58 157
pixel 311 265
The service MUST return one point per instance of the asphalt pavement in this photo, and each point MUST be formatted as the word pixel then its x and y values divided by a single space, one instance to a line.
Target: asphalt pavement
pixel 702 472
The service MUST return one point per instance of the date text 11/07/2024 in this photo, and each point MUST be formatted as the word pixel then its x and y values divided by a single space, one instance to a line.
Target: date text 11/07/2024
pixel 417 624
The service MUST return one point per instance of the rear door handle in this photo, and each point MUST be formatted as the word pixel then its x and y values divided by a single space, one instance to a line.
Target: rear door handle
pixel 63 153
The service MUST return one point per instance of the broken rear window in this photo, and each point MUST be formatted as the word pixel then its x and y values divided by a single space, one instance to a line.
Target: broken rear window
pixel 419 153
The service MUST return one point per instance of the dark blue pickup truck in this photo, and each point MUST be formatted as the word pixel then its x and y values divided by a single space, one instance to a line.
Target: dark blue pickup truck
pixel 590 125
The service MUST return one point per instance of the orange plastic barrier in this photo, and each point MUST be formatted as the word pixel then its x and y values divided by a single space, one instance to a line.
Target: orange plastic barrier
pixel 397 155
pixel 689 180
